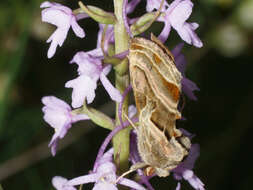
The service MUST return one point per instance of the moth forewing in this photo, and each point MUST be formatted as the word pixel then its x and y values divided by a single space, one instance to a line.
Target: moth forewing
pixel 164 79
pixel 154 147
pixel 156 84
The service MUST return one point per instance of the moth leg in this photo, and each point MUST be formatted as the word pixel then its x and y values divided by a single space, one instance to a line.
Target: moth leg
pixel 133 168
pixel 130 121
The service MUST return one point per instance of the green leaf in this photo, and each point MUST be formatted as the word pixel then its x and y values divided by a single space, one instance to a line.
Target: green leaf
pixel 97 14
pixel 143 23
pixel 122 68
pixel 96 116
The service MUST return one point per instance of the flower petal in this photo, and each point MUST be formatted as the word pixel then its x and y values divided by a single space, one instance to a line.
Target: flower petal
pixel 107 157
pixel 56 103
pixel 131 111
pixel 176 51
pixel 56 17
pixel 77 29
pixel 132 5
pixel 104 185
pixel 60 183
pixel 109 37
pixel 107 69
pixel 83 88
pixel 163 36
pixel 79 117
pixel 57 38
pixel 132 184
pixel 83 179
pixel 112 91
pixel 46 4
pixel 178 186
pixel 88 63
pixel 188 87
pixel 188 35
pixel 107 168
pixel 53 144
pixel 180 13
pixel 195 182
pixel 56 119
pixel 180 63
pixel 155 4
pixel 125 19
pixel 192 157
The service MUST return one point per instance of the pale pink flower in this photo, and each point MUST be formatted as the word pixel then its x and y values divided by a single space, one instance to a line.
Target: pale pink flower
pixel 184 170
pixel 155 4
pixel 175 16
pixel 63 18
pixel 58 115
pixel 104 177
pixel 109 36
pixel 90 70
pixel 60 183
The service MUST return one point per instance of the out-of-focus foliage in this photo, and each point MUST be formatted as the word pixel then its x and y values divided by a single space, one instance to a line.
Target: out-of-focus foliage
pixel 221 118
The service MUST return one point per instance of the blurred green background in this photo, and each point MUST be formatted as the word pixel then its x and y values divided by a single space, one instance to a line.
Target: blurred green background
pixel 221 118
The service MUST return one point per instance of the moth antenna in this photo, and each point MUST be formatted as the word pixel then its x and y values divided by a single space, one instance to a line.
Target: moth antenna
pixel 133 168
pixel 130 121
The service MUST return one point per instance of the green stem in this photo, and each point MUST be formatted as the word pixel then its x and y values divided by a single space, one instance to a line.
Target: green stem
pixel 121 140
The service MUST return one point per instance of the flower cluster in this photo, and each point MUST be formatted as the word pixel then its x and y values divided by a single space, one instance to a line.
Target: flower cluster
pixel 96 64
pixel 104 177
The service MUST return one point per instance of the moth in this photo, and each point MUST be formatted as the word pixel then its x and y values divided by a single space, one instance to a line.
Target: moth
pixel 156 84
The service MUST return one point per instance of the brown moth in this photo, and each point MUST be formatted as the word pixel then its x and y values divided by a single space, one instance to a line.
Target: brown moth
pixel 156 84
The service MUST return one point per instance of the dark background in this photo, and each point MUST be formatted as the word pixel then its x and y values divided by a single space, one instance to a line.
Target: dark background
pixel 221 118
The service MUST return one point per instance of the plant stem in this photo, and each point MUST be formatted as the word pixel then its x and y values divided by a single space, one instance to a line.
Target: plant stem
pixel 121 140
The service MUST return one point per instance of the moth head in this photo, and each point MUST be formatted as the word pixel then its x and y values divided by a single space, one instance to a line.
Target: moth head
pixel 161 172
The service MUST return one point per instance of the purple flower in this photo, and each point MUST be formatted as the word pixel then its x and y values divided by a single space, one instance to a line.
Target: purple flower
pixel 175 16
pixel 57 113
pixel 109 36
pixel 127 9
pixel 155 4
pixel 134 153
pixel 131 111
pixel 63 18
pixel 90 70
pixel 104 177
pixel 132 5
pixel 187 85
pixel 60 183
pixel 184 170
pixel 178 186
